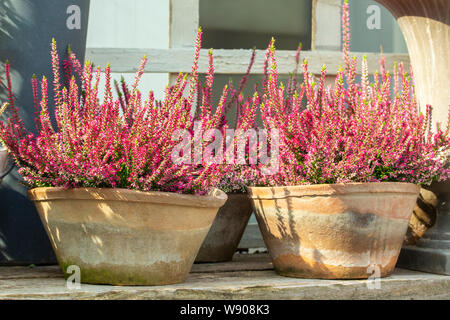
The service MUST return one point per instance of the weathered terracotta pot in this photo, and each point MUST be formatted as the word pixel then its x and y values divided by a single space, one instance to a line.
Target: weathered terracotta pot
pixel 336 231
pixel 126 237
pixel 227 230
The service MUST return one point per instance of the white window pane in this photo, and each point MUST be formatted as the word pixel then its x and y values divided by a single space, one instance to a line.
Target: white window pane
pixel 128 24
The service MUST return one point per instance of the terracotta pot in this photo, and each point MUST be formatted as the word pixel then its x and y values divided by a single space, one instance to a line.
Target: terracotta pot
pixel 336 231
pixel 227 230
pixel 126 237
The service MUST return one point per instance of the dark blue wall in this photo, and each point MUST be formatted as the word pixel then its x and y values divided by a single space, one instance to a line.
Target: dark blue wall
pixel 26 30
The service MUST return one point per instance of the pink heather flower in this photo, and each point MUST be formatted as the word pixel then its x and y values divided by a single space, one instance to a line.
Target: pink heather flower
pixel 95 145
pixel 352 132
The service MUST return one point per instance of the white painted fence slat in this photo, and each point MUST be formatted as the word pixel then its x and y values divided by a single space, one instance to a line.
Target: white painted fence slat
pixel 226 61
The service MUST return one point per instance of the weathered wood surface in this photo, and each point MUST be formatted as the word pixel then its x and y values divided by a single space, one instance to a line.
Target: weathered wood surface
pixel 227 61
pixel 248 277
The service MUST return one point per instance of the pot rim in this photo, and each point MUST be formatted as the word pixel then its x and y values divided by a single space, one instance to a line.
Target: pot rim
pixel 215 198
pixel 332 189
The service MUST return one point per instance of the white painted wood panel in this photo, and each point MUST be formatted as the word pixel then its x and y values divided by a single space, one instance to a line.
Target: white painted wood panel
pixel 226 61
pixel 184 17
pixel 326 25
pixel 129 24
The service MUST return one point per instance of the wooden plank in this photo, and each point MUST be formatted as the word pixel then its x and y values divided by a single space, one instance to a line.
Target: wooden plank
pixel 326 36
pixel 184 22
pixel 247 279
pixel 183 26
pixel 226 61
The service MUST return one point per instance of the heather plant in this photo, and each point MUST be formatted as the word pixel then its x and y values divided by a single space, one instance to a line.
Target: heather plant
pixel 238 175
pixel 235 174
pixel 355 131
pixel 246 172
pixel 110 143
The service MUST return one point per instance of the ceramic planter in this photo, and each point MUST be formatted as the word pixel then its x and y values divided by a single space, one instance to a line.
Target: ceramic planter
pixel 227 229
pixel 4 162
pixel 426 27
pixel 336 231
pixel 126 237
pixel 425 24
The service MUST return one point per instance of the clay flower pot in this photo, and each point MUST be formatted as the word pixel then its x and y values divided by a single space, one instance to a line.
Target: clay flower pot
pixel 336 231
pixel 126 237
pixel 227 230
